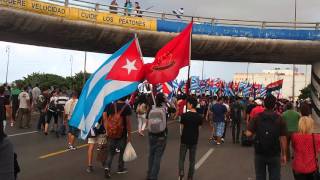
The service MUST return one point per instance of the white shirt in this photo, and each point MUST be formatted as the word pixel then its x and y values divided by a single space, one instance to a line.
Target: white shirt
pixel 69 107
pixel 35 93
pixel 24 98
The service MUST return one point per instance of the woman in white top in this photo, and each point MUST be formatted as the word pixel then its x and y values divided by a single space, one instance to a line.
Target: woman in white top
pixel 142 110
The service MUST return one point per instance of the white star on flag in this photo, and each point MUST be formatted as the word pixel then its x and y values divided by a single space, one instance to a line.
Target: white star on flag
pixel 130 66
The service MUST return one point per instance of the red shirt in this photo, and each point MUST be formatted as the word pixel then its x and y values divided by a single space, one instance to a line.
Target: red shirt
pixel 304 160
pixel 255 111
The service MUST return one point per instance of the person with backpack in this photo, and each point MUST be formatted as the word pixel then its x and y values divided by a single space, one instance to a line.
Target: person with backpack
pixel 306 147
pixel 52 113
pixel 292 119
pixel 117 122
pixel 41 105
pixel 142 110
pixel 270 141
pixel 236 113
pixel 190 123
pixel 157 126
pixel 61 102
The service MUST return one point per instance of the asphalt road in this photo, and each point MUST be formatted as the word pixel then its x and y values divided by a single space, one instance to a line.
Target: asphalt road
pixel 46 158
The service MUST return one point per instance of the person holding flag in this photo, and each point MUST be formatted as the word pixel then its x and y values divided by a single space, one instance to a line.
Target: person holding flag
pixel 117 77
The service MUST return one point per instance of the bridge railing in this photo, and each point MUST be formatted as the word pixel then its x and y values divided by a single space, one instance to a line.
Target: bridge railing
pixel 186 18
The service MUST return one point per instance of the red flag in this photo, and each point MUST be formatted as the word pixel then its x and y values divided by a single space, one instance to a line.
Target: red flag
pixel 171 58
pixel 275 85
pixel 129 66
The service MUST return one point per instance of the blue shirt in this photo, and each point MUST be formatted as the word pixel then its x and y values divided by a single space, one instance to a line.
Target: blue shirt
pixel 219 111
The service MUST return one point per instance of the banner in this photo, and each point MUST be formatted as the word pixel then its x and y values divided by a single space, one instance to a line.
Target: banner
pixel 73 13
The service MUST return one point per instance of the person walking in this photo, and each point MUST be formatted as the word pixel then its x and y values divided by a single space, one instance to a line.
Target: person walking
pixel 41 105
pixel 52 113
pixel 157 126
pixel 24 109
pixel 306 147
pixel 97 135
pixel 60 103
pixel 292 119
pixel 117 122
pixel 113 8
pixel 142 110
pixel 190 124
pixel 236 113
pixel 218 114
pixel 270 141
pixel 15 91
pixel 68 111
pixel 36 92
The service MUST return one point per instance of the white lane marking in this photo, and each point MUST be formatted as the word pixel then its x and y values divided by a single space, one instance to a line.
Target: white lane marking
pixel 204 158
pixel 19 134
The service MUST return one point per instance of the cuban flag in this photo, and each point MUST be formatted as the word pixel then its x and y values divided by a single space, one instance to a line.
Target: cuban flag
pixel 247 90
pixel 242 85
pixel 117 77
pixel 168 89
pixel 263 92
pixel 195 83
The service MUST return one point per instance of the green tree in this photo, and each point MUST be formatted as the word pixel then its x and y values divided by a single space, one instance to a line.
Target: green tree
pixel 305 92
pixel 45 80
pixel 76 82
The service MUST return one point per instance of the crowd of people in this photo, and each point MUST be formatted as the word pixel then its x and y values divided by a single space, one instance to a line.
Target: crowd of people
pixel 271 125
pixel 129 9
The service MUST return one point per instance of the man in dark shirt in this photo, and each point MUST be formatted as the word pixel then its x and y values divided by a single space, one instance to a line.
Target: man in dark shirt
pixel 190 123
pixel 219 111
pixel 270 141
pixel 5 107
pixel 121 142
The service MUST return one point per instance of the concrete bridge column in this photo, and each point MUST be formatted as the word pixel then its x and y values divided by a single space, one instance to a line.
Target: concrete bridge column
pixel 315 91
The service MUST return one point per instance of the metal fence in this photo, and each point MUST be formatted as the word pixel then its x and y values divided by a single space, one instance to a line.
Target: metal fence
pixel 187 18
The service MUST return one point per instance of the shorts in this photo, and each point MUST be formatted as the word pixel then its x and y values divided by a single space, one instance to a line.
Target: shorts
pixel 74 131
pixel 100 139
pixel 219 127
pixel 51 115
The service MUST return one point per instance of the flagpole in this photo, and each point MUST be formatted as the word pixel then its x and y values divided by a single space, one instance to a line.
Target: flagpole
pixel 189 67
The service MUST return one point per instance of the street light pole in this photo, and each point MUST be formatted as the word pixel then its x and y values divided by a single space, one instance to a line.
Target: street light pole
pixel 8 53
pixel 71 64
pixel 248 71
pixel 85 68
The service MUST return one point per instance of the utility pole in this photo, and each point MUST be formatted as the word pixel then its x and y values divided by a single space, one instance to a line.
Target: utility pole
pixel 85 67
pixel 293 81
pixel 294 66
pixel 71 64
pixel 305 76
pixel 248 71
pixel 202 69
pixel 8 60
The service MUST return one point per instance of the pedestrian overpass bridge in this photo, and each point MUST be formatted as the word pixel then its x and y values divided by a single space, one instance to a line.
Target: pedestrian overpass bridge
pixel 78 25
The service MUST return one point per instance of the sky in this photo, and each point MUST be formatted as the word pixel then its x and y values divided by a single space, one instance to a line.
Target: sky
pixel 26 59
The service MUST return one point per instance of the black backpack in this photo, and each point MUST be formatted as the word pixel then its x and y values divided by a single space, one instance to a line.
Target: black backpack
pixel 267 141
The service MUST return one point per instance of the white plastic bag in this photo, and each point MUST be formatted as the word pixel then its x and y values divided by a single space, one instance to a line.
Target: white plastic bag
pixel 129 153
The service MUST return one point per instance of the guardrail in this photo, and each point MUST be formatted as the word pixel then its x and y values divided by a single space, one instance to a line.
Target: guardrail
pixel 186 18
